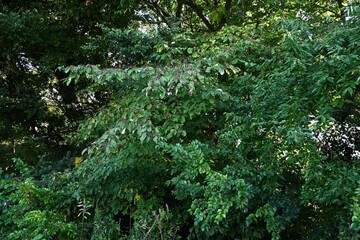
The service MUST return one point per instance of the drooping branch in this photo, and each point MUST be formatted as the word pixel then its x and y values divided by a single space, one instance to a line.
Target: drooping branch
pixel 196 8
pixel 228 5
pixel 154 5
pixel 340 3
pixel 179 8
pixel 341 7
pixel 224 17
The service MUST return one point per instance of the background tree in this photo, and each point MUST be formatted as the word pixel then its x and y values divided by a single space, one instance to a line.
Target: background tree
pixel 37 37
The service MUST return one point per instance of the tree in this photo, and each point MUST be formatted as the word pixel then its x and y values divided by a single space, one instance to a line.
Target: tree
pixel 221 120
pixel 225 123
pixel 37 37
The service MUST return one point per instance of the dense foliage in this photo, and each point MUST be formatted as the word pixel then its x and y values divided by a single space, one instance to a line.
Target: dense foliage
pixel 180 119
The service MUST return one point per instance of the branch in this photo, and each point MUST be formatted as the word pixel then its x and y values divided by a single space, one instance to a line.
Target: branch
pixel 160 11
pixel 224 17
pixel 179 8
pixel 197 10
pixel 341 5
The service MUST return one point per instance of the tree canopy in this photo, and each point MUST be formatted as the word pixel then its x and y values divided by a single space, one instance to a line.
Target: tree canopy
pixel 187 119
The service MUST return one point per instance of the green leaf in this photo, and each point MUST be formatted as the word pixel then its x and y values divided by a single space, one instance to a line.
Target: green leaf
pixel 38 237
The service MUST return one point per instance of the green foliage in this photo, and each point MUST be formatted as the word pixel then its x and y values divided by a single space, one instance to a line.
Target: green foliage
pixel 122 47
pixel 247 131
pixel 227 125
pixel 355 225
pixel 38 109
pixel 32 209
